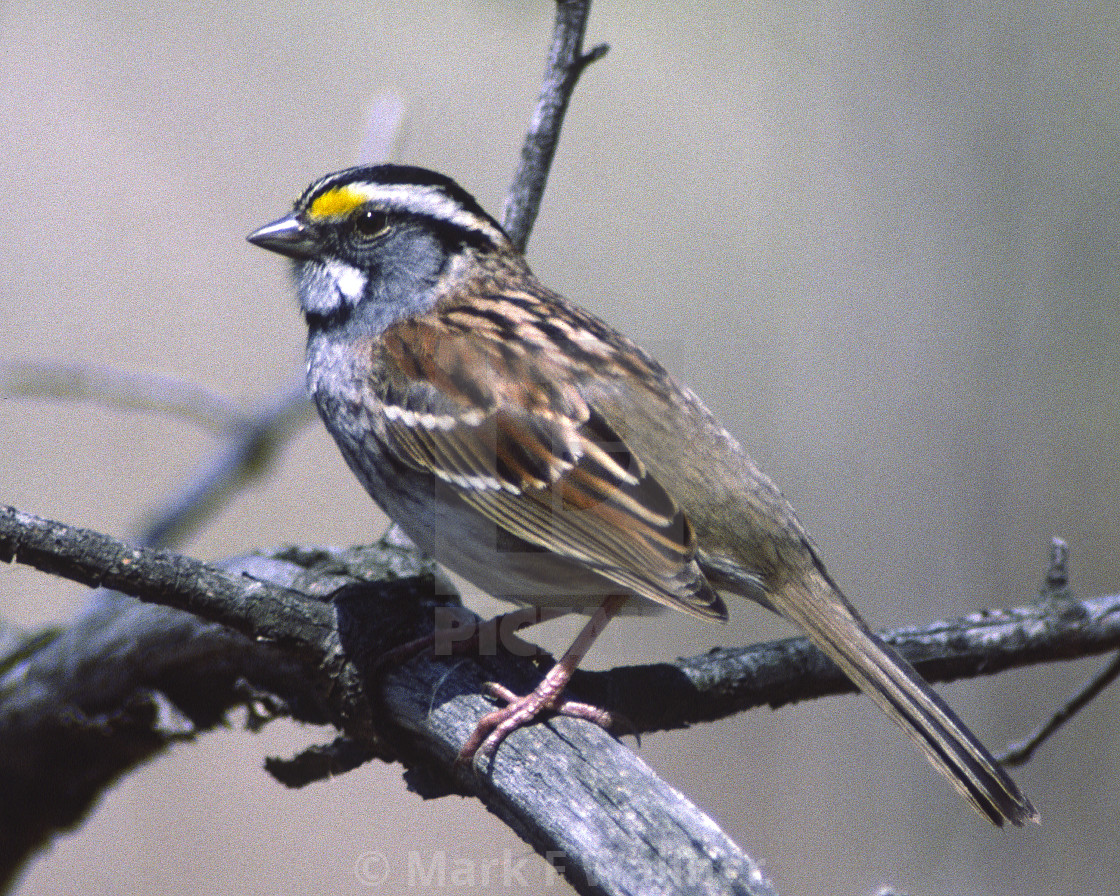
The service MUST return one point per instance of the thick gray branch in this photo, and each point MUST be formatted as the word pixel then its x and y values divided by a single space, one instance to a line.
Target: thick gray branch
pixel 548 782
pixel 564 786
pixel 105 694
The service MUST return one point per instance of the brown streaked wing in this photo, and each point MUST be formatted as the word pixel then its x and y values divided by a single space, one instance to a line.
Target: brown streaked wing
pixel 545 467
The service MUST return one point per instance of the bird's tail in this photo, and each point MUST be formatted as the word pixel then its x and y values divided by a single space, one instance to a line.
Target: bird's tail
pixel 816 605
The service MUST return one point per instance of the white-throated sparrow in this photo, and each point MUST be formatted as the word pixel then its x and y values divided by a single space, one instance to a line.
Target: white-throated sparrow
pixel 543 456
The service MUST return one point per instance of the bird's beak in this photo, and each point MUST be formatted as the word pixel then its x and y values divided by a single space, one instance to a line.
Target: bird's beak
pixel 288 236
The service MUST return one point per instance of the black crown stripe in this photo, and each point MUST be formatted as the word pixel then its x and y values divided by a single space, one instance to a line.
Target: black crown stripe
pixel 398 175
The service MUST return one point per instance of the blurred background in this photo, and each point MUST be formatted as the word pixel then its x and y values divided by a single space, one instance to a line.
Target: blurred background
pixel 881 240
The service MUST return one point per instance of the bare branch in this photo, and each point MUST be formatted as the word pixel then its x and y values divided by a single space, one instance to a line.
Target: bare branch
pixel 118 686
pixel 722 682
pixel 705 688
pixel 1019 753
pixel 250 450
pixel 147 392
pixel 566 62
pixel 289 619
pixel 426 710
pixel 252 438
pixel 430 707
pixel 1056 584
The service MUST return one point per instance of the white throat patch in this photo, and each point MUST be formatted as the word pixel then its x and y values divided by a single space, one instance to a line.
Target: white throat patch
pixel 350 281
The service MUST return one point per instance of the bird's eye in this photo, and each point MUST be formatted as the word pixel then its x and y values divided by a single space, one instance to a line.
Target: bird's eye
pixel 371 223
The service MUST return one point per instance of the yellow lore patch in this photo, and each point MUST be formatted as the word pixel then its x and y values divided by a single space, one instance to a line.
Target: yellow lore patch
pixel 337 202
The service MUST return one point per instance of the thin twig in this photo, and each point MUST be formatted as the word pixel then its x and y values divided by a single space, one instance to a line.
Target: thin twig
pixel 252 438
pixel 1055 585
pixel 1055 592
pixel 248 454
pixel 566 62
pixel 1018 753
pixel 146 392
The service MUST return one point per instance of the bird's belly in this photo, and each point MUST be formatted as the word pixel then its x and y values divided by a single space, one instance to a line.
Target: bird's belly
pixel 454 534
pixel 502 566
pixel 470 545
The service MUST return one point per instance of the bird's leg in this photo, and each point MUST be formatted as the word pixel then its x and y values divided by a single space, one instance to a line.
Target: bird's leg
pixel 493 727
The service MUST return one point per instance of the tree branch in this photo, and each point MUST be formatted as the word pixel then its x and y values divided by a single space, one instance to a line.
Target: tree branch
pixel 252 439
pixel 145 392
pixel 704 688
pixel 566 62
pixel 731 680
pixel 421 715
pixel 248 453
pixel 1021 752
pixel 86 696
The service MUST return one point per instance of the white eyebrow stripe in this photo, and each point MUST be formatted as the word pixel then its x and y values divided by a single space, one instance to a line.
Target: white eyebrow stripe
pixel 429 201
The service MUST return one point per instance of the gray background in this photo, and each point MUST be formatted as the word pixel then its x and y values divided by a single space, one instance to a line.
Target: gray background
pixel 881 241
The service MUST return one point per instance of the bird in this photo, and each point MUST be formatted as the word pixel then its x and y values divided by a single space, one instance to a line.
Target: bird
pixel 533 449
